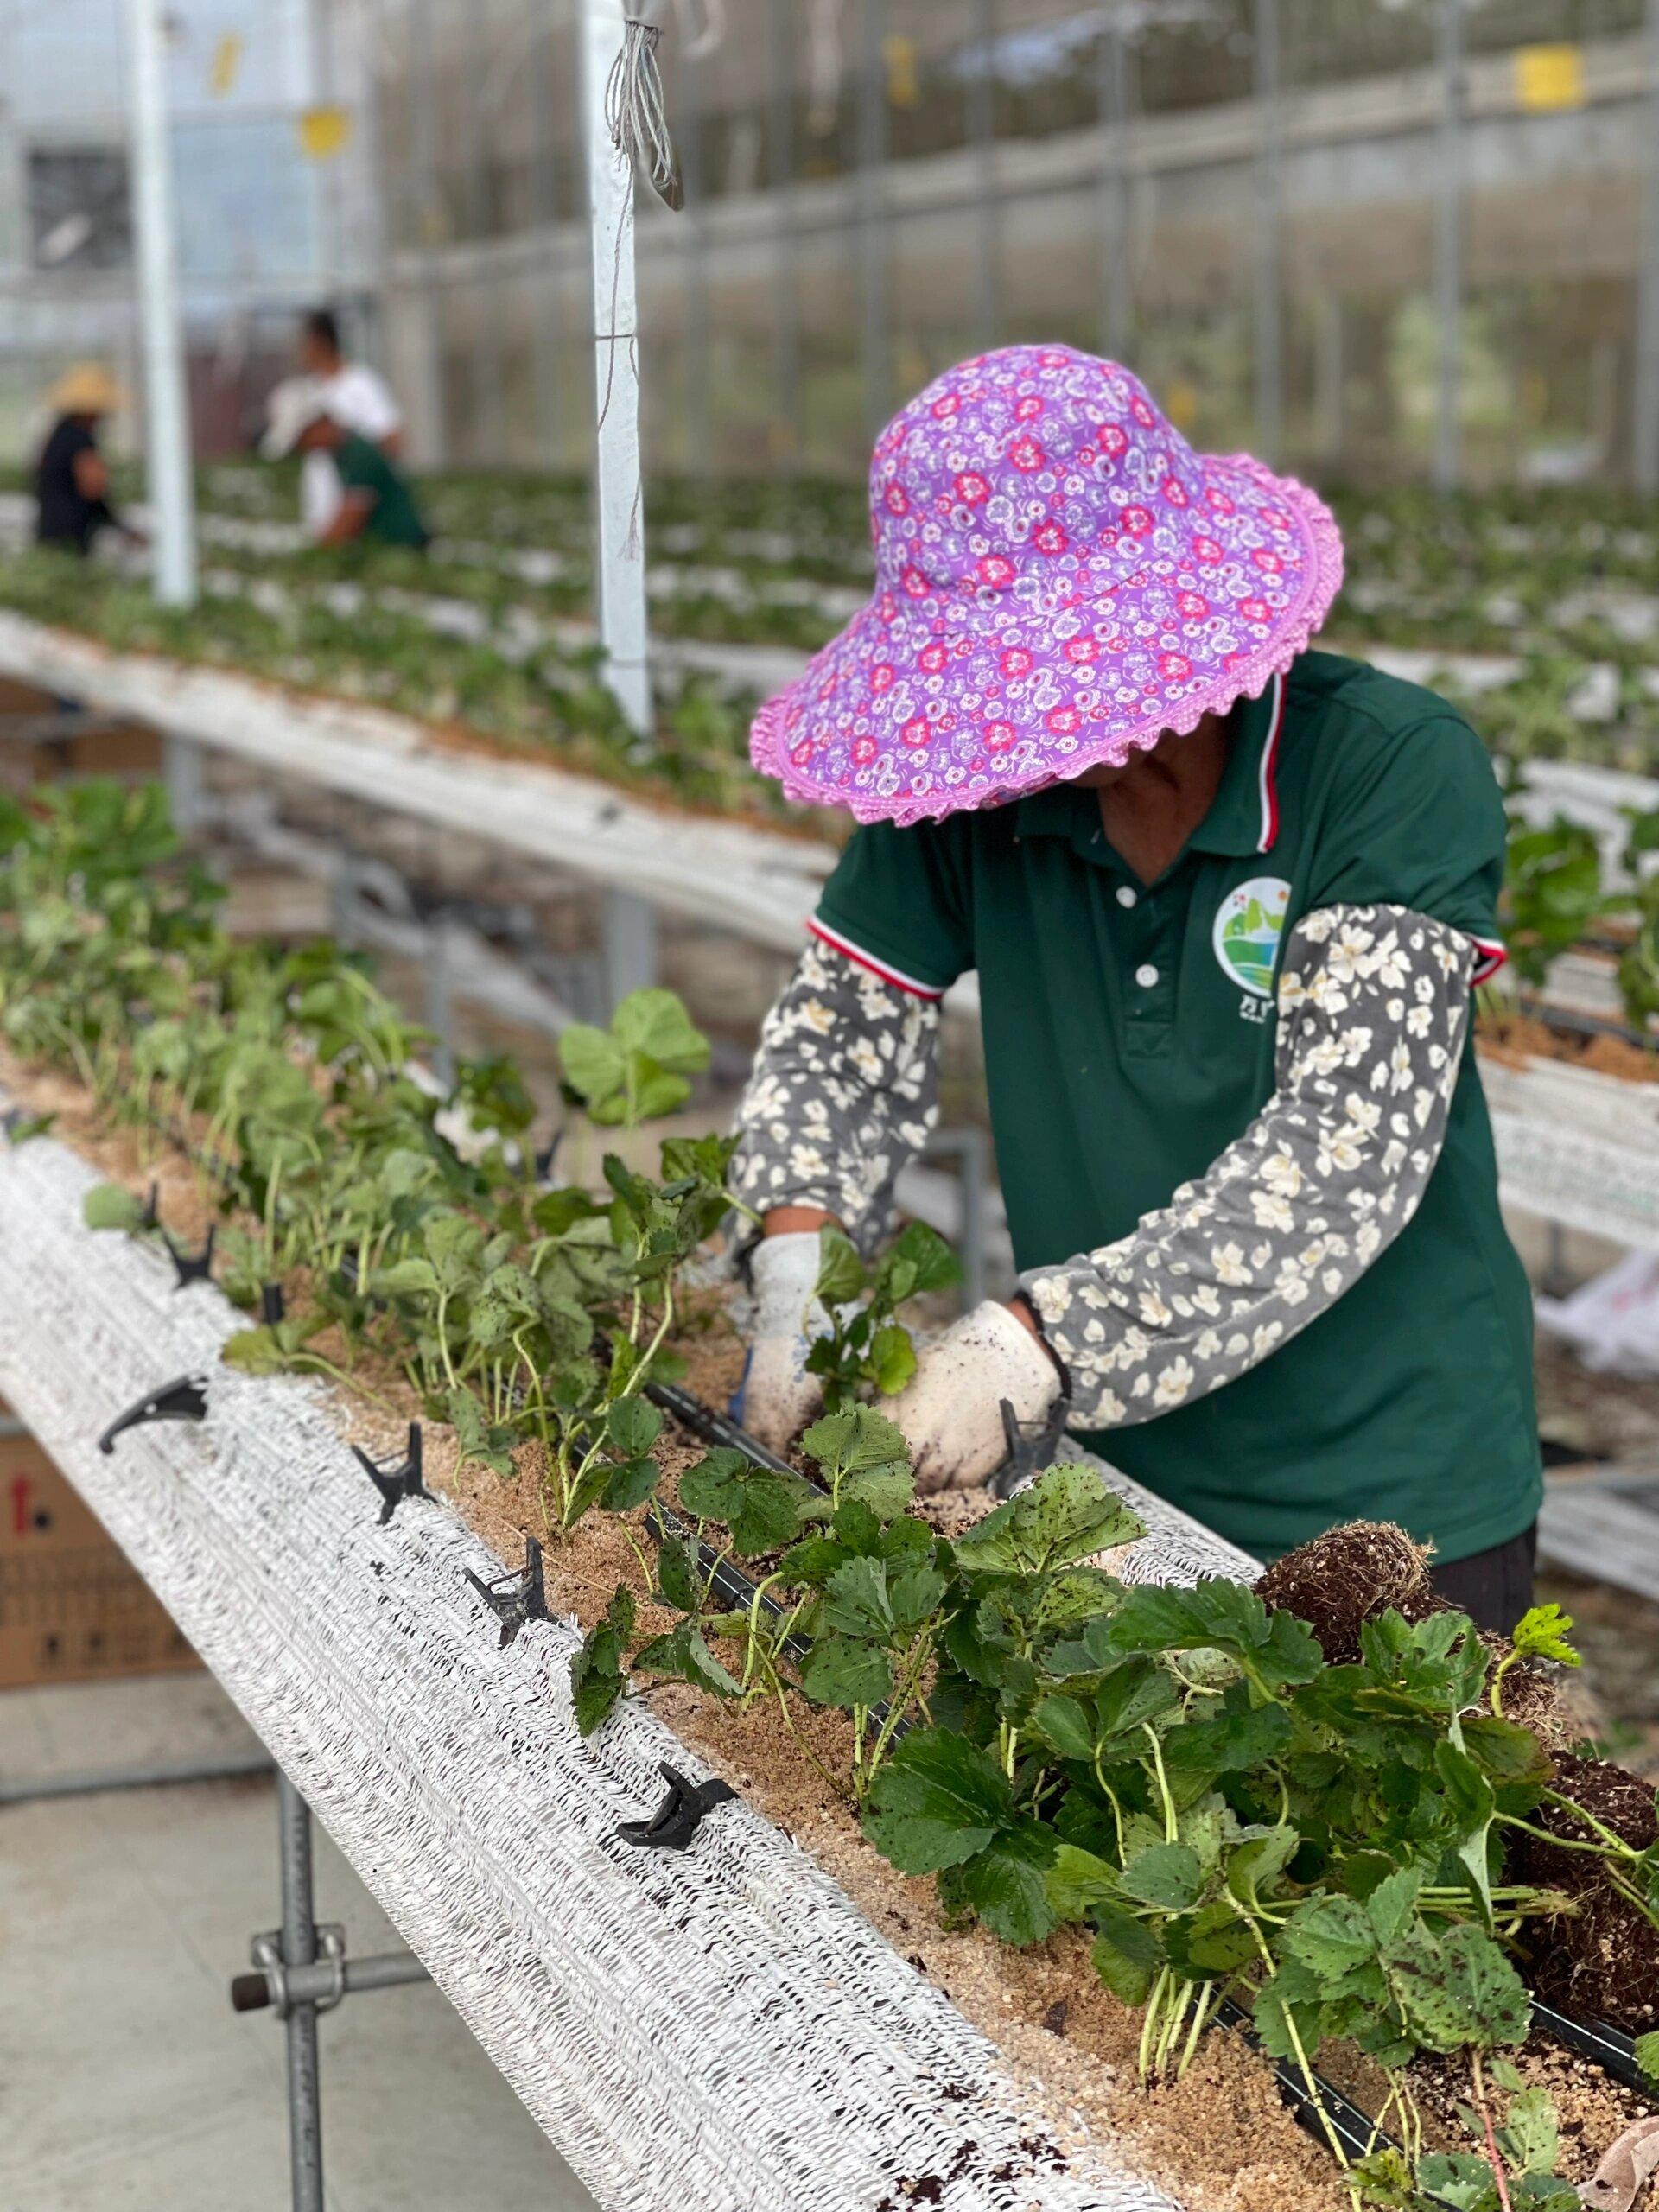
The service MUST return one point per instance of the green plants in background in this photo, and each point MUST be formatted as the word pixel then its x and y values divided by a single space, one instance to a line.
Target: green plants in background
pixel 1552 893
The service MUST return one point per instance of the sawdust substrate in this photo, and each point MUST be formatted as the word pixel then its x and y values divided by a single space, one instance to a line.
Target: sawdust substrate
pixel 1517 1038
pixel 1220 2140
pixel 133 1158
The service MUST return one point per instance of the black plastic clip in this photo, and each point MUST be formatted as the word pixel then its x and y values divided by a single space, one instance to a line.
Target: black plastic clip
pixel 395 1484
pixel 515 1598
pixel 193 1266
pixel 185 1399
pixel 273 1306
pixel 1031 1445
pixel 682 1812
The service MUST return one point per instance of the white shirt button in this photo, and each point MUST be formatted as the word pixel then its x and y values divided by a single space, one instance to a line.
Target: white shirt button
pixel 1146 977
pixel 1125 896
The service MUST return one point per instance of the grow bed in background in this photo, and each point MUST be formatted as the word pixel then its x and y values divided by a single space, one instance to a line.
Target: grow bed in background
pixel 761 881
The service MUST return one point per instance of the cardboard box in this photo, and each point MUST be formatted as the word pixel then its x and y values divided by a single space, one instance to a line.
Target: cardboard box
pixel 72 1609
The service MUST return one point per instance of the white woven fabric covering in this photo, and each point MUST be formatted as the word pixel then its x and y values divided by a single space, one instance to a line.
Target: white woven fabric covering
pixel 1577 1146
pixel 716 2032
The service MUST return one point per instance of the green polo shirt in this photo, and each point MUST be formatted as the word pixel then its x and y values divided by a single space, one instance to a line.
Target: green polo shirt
pixel 1130 1036
pixel 394 518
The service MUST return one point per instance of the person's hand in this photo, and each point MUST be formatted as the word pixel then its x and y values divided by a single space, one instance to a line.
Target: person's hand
pixel 779 1397
pixel 952 1412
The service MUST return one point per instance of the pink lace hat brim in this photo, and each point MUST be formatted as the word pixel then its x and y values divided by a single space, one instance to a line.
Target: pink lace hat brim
pixel 876 777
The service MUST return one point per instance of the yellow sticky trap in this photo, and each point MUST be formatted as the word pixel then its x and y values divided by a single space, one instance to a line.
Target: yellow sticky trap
pixel 904 87
pixel 226 64
pixel 325 133
pixel 1549 78
pixel 1181 404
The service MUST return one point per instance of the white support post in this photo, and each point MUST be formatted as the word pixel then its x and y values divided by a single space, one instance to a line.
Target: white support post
pixel 1448 252
pixel 1646 337
pixel 619 494
pixel 1269 238
pixel 630 924
pixel 172 490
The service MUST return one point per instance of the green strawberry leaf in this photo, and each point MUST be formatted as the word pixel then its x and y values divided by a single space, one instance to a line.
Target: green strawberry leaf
pixel 937 1801
pixel 846 1671
pixel 1167 1875
pixel 1004 1885
pixel 1066 1514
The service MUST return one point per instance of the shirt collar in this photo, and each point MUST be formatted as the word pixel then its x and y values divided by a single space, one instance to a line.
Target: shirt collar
pixel 1243 817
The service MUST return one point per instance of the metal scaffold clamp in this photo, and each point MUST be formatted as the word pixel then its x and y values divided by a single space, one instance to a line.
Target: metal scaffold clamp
pixel 268 1987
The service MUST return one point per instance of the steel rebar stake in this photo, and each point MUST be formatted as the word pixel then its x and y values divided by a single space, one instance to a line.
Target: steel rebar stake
pixel 299 1949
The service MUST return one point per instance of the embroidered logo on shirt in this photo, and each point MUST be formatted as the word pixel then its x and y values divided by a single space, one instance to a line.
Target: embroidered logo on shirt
pixel 1248 926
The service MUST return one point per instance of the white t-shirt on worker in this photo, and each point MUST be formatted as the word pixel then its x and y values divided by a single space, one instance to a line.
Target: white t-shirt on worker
pixel 360 399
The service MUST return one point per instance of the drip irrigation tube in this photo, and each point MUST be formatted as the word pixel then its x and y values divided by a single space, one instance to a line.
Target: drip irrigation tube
pixel 1609 2048
pixel 1324 2111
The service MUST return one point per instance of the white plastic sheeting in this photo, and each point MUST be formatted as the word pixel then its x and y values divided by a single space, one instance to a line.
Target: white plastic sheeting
pixel 717 2029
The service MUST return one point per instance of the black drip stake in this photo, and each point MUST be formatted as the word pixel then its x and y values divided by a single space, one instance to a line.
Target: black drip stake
pixel 515 1598
pixel 273 1305
pixel 397 1483
pixel 676 1819
pixel 185 1399
pixel 1032 1444
pixel 193 1266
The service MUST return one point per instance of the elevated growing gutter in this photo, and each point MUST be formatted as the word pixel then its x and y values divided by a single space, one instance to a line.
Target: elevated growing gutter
pixel 720 2029
pixel 738 875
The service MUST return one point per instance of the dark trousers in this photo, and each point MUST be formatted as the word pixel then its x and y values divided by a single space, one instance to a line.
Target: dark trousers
pixel 1493 1587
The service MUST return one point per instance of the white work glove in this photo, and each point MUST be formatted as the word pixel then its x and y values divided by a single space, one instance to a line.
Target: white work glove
pixel 951 1413
pixel 779 1397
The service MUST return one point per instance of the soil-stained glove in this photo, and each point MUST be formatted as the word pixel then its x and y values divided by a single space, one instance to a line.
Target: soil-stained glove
pixel 779 1397
pixel 951 1413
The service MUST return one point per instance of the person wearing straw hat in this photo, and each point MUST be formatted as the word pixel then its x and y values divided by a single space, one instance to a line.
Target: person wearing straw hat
pixel 376 502
pixel 1227 897
pixel 72 480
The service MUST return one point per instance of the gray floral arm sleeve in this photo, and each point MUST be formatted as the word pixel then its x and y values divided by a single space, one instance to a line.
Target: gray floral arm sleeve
pixel 1373 1012
pixel 843 1094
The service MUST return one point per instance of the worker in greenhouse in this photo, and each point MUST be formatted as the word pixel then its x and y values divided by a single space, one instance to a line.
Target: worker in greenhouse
pixel 360 399
pixel 1227 898
pixel 71 477
pixel 376 503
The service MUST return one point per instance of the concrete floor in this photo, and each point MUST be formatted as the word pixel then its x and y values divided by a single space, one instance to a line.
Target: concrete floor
pixel 126 2079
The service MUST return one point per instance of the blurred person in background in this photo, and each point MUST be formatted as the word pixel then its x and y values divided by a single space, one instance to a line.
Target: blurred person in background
pixel 72 479
pixel 375 502
pixel 360 399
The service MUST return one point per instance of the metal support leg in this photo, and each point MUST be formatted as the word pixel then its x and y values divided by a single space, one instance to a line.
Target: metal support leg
pixel 186 784
pixel 299 1949
pixel 440 1009
pixel 630 943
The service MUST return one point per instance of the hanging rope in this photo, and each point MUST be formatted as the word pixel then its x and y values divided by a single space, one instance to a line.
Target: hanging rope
pixel 636 115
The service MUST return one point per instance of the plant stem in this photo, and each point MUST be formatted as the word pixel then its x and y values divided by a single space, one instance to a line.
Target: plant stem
pixel 1481 2106
pixel 1144 2058
pixel 1171 1825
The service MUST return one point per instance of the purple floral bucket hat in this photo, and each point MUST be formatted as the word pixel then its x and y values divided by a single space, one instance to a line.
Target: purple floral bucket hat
pixel 1060 581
